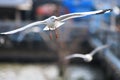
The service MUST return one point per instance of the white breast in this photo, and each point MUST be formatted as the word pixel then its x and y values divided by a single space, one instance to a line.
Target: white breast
pixel 50 23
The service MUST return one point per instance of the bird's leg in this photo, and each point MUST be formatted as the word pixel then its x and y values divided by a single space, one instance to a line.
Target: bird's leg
pixel 50 34
pixel 56 32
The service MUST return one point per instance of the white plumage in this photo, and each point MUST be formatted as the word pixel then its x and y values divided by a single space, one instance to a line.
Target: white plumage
pixel 87 57
pixel 54 22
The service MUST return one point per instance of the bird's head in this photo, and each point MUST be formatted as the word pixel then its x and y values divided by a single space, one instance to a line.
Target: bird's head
pixel 88 58
pixel 53 18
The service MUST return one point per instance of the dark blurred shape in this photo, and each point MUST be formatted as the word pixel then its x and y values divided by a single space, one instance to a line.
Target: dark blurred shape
pixel 41 7
pixel 46 10
pixel 5 42
pixel 118 23
pixel 7 13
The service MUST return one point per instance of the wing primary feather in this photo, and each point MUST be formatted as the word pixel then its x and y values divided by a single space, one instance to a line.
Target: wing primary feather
pixel 105 11
pixel 82 14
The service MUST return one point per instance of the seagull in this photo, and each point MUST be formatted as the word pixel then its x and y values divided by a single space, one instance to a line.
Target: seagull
pixel 53 22
pixel 87 57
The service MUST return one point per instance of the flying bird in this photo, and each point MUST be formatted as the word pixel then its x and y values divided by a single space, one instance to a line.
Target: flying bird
pixel 53 22
pixel 87 57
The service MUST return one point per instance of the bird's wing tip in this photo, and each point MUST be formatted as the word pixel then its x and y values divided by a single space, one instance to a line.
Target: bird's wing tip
pixel 104 11
pixel 67 57
pixel 108 10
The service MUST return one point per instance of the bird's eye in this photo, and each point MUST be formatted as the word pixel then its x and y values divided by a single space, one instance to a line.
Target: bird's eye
pixel 53 19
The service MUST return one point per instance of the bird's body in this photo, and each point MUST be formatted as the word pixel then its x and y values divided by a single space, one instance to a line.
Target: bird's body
pixel 54 22
pixel 87 57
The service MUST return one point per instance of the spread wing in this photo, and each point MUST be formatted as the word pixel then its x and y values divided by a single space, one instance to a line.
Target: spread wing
pixel 98 49
pixel 74 56
pixel 82 14
pixel 25 27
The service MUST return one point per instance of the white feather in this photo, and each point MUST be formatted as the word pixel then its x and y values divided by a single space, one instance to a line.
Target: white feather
pixel 54 22
pixel 87 57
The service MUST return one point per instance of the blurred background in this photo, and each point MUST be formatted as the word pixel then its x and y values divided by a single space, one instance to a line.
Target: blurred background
pixel 31 55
